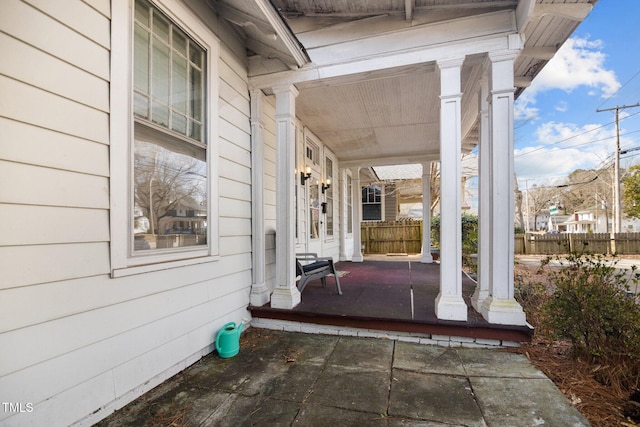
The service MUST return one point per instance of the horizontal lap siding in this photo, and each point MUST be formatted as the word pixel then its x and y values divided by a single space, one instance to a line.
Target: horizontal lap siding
pixel 82 340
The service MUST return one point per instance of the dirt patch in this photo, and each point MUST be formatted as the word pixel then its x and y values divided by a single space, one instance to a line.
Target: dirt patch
pixel 602 405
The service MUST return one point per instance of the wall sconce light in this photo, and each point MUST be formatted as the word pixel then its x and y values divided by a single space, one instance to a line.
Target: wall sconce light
pixel 324 207
pixel 326 186
pixel 305 175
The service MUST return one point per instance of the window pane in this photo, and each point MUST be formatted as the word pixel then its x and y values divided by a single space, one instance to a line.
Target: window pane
pixel 196 131
pixel 160 68
pixel 179 84
pixel 170 193
pixel 179 42
pixel 371 212
pixel 141 61
pixel 160 26
pixel 314 212
pixel 349 206
pixel 179 123
pixel 160 114
pixel 140 105
pixel 142 12
pixel 195 54
pixel 196 94
pixel 329 217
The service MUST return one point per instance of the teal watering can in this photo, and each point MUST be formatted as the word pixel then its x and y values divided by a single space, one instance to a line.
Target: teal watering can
pixel 228 340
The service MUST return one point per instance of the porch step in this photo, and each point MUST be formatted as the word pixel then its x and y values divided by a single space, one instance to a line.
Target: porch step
pixel 469 330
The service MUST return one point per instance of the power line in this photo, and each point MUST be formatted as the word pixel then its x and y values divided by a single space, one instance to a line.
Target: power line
pixel 616 182
pixel 579 134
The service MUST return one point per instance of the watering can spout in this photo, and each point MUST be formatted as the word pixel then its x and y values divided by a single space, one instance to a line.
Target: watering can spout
pixel 239 329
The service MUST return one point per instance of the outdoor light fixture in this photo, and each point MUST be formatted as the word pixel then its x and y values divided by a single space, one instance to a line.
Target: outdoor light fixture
pixel 326 186
pixel 305 175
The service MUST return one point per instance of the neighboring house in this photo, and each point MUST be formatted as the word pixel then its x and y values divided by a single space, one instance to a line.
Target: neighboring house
pixel 581 222
pixel 541 220
pixel 116 113
pixel 598 221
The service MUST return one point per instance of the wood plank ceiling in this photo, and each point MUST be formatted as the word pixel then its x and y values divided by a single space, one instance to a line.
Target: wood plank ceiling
pixel 389 116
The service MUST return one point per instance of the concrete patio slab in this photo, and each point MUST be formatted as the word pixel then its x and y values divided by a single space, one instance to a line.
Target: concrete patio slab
pixel 289 378
pixel 521 402
pixel 428 359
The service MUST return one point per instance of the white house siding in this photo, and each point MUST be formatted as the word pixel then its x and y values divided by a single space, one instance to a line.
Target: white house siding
pixel 76 343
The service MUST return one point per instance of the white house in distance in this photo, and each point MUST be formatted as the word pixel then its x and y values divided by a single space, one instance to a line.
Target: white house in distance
pixel 163 160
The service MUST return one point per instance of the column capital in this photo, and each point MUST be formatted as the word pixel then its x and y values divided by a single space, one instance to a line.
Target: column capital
pixel 503 55
pixel 449 63
pixel 285 88
pixel 257 106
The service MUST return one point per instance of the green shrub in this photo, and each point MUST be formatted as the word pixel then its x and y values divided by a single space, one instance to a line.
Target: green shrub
pixel 532 295
pixel 590 307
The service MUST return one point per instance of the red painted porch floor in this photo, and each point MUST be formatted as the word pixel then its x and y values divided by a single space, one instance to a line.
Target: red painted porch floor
pixel 376 295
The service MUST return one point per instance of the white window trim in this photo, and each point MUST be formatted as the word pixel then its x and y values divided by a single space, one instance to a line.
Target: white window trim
pixel 123 263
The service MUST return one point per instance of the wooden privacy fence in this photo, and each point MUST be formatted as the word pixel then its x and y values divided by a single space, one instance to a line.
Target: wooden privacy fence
pixel 595 243
pixel 386 237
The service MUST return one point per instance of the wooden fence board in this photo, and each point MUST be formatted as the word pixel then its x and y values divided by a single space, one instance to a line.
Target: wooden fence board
pixel 384 237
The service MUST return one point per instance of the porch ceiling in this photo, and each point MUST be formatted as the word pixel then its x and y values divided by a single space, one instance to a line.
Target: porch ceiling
pixel 368 90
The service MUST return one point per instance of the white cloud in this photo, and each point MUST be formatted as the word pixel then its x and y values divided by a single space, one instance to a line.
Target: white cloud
pixel 563 148
pixel 579 62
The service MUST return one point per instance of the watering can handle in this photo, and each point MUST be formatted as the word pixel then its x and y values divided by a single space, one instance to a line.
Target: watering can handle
pixel 218 348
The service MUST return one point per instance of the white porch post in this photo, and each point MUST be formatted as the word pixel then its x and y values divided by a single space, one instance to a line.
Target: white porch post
pixel 343 214
pixel 259 291
pixel 356 206
pixel 449 304
pixel 427 258
pixel 484 174
pixel 501 307
pixel 285 295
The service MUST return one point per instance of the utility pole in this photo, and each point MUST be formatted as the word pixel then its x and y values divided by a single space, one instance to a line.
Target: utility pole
pixel 617 207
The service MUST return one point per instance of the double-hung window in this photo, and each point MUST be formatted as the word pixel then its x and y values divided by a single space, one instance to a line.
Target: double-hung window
pixel 166 198
pixel 372 203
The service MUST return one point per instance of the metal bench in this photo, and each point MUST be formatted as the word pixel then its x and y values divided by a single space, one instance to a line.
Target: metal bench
pixel 310 267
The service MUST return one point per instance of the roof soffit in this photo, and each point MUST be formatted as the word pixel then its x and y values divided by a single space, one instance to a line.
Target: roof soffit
pixel 263 31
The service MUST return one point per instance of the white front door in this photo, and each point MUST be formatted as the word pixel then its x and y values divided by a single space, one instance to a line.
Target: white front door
pixel 315 231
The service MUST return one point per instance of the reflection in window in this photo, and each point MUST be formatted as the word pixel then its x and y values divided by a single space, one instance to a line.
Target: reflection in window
pixel 169 164
pixel 314 210
pixel 329 196
pixel 170 193
pixel 349 205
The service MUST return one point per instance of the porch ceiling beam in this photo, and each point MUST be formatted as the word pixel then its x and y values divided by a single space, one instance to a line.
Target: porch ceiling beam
pixel 389 161
pixel 427 54
pixel 377 40
pixel 572 11
pixel 539 52
pixel 522 81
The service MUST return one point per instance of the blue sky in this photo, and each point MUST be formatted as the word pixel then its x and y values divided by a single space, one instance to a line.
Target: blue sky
pixel 557 128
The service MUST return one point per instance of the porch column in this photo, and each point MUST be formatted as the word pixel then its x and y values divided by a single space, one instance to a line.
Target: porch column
pixel 427 258
pixel 356 206
pixel 285 295
pixel 449 304
pixel 484 174
pixel 343 214
pixel 501 307
pixel 259 291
